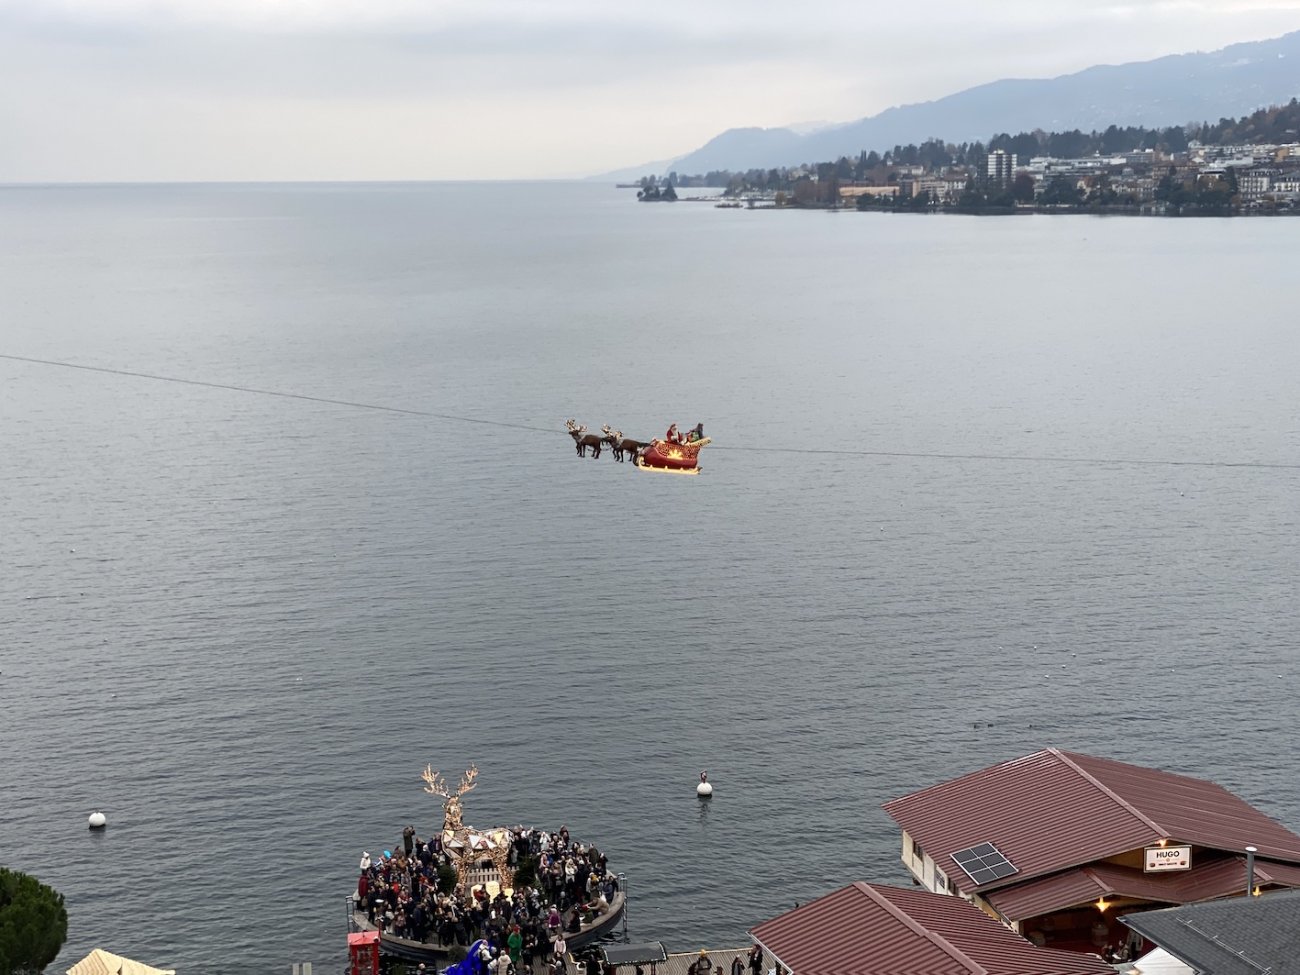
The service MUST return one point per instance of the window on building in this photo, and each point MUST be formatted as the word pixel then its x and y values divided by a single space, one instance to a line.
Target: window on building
pixel 940 881
pixel 916 850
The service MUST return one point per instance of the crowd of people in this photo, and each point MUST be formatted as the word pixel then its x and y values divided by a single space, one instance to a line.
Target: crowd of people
pixel 400 894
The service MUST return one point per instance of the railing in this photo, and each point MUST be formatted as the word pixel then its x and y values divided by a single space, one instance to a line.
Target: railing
pixel 482 875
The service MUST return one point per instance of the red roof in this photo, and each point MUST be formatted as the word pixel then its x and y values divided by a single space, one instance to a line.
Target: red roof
pixel 1083 885
pixel 1054 810
pixel 872 929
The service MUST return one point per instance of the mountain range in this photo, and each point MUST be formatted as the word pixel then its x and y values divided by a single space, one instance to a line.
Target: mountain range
pixel 1171 90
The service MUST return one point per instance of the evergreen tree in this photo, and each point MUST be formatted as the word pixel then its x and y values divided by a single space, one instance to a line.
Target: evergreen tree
pixel 1022 187
pixel 33 924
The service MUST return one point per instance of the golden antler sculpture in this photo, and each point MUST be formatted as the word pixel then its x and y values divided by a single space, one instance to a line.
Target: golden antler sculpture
pixel 456 834
pixel 451 809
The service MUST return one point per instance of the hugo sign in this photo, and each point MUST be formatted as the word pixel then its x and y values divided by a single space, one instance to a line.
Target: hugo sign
pixel 1161 858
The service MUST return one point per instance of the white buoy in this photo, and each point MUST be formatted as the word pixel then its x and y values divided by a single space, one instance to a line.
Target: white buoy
pixel 98 820
pixel 704 789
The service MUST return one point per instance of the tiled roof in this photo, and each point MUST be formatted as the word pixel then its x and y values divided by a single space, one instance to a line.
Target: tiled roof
pixel 1245 936
pixel 1082 885
pixel 871 929
pixel 1054 810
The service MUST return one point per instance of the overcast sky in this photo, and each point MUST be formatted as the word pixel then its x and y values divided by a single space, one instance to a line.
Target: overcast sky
pixel 490 89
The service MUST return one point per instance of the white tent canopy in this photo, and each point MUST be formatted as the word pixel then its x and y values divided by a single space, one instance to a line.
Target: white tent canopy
pixel 101 962
pixel 1160 962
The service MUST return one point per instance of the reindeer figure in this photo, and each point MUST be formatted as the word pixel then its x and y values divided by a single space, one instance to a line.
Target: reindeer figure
pixel 454 831
pixel 611 439
pixel 582 439
pixel 627 447
pixel 623 447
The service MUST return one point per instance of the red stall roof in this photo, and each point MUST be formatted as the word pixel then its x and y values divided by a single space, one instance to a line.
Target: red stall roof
pixel 872 929
pixel 1054 810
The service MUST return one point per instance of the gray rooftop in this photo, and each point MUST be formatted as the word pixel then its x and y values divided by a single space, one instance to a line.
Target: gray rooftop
pixel 1241 936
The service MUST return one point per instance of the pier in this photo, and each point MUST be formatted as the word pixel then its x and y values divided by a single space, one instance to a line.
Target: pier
pixel 651 959
pixel 680 963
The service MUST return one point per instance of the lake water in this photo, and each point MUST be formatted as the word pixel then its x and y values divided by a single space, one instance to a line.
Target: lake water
pixel 241 625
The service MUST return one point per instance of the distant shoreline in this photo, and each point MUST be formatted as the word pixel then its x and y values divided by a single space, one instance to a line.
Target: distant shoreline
pixel 1147 210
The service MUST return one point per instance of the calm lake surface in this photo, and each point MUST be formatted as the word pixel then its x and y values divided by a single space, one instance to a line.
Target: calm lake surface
pixel 241 625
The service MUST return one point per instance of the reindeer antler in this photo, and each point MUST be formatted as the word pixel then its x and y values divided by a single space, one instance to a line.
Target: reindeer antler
pixel 433 783
pixel 467 781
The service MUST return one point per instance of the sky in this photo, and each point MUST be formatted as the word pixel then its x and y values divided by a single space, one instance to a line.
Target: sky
pixel 144 90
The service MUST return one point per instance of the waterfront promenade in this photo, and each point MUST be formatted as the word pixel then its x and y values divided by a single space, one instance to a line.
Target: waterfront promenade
pixel 680 963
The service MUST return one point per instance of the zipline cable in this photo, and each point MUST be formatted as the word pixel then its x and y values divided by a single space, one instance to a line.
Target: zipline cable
pixel 823 451
pixel 1036 458
pixel 273 392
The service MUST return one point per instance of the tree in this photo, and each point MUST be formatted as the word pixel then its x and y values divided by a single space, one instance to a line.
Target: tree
pixel 33 923
pixel 934 154
pixel 1022 187
pixel 1174 139
pixel 1068 145
pixel 805 192
pixel 447 878
pixel 1101 193
pixel 526 872
pixel 1061 191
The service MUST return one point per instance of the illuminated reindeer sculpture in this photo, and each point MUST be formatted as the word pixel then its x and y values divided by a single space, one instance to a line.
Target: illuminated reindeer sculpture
pixel 456 836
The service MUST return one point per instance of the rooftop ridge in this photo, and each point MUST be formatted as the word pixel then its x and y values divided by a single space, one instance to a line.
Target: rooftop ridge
pixel 1091 874
pixel 940 942
pixel 1124 803
pixel 1218 942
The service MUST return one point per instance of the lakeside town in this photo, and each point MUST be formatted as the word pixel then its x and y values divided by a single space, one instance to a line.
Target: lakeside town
pixel 1246 166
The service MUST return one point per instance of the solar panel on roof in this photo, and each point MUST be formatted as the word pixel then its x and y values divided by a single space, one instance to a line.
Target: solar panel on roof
pixel 984 863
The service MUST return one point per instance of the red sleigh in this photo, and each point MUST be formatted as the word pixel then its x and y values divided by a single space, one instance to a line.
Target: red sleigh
pixel 666 457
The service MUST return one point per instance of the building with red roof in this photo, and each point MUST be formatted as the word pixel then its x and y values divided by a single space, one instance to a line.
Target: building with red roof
pixel 1057 843
pixel 872 929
